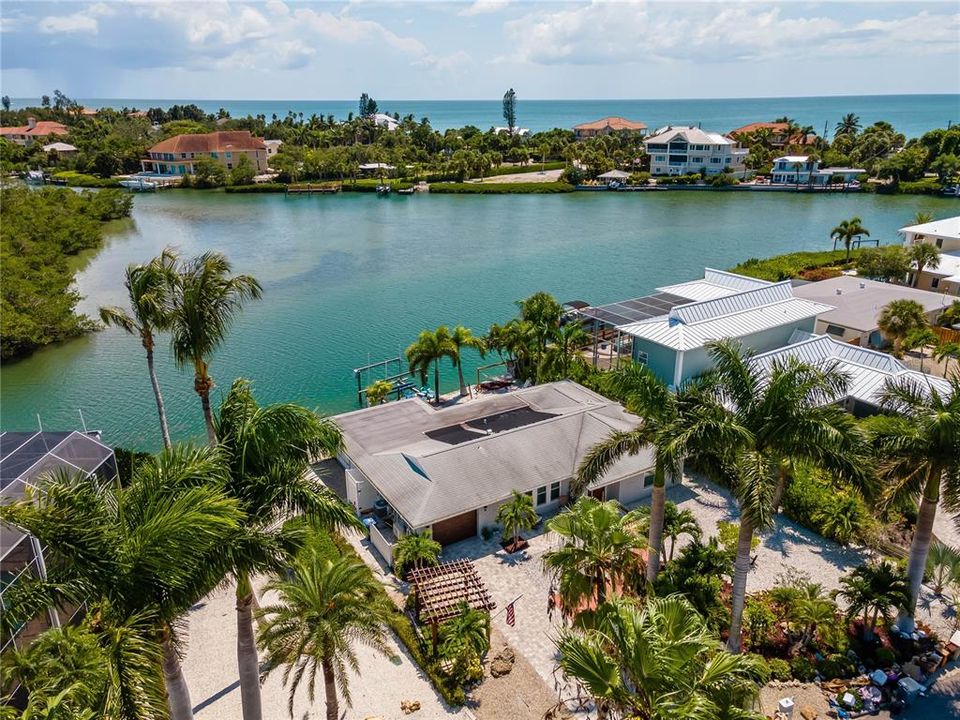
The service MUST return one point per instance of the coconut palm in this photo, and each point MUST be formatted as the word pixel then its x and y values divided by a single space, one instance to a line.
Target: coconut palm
pixel 268 450
pixel 544 313
pixel 922 217
pixel 847 231
pixel 923 255
pixel 600 551
pixel 943 566
pixel 944 352
pixel 152 548
pixel 148 289
pixel 788 413
pixel 415 550
pixel 430 347
pixel 918 444
pixel 325 607
pixel 659 661
pixel 461 338
pixel 517 515
pixel 873 589
pixel 848 125
pixel 673 424
pixel 898 319
pixel 206 300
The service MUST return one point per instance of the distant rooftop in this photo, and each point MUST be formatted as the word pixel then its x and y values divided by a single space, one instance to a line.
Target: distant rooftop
pixel 614 123
pixel 690 135
pixel 947 227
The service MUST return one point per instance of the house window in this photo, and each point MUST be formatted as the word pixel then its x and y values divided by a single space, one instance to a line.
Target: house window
pixel 727 161
pixel 229 166
pixel 641 357
pixel 229 155
pixel 660 158
pixel 715 161
pixel 696 159
pixel 542 495
pixel 648 480
pixel 183 156
pixel 555 491
pixel 214 155
pixel 835 330
pixel 935 282
pixel 940 243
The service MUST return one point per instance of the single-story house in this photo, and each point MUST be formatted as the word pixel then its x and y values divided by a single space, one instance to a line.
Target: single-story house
pixel 867 370
pixel 802 170
pixel 517 131
pixel 385 121
pixel 614 176
pixel 450 469
pixel 945 235
pixel 857 303
pixel 60 149
pixel 34 131
pixel 608 126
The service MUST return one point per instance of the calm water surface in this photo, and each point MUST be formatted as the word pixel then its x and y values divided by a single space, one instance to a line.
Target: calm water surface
pixel 352 278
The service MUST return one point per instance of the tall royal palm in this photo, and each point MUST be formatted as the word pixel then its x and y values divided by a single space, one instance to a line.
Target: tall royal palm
pixel 918 446
pixel 659 661
pixel 148 289
pixel 674 425
pixel 156 546
pixel 206 299
pixel 787 412
pixel 268 450
pixel 462 338
pixel 847 231
pixel 430 347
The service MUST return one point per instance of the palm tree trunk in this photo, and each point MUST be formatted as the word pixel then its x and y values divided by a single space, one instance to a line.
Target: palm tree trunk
pixel 202 384
pixel 780 489
pixel 330 688
pixel 178 694
pixel 436 381
pixel 164 430
pixel 463 385
pixel 922 537
pixel 867 630
pixel 248 662
pixel 655 539
pixel 741 567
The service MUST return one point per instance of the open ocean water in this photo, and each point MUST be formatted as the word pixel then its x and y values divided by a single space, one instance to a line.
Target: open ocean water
pixel 910 114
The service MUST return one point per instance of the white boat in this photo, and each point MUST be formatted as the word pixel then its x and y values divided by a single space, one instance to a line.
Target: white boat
pixel 139 184
pixel 35 177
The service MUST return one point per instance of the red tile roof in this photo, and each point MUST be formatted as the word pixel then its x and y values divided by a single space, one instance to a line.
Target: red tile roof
pixel 772 126
pixel 225 140
pixel 41 129
pixel 614 123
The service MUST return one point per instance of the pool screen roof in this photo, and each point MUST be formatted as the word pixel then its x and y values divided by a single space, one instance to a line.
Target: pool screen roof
pixel 26 455
pixel 625 312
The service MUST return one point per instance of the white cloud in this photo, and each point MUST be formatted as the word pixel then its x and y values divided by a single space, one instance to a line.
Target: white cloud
pixel 75 23
pixel 481 7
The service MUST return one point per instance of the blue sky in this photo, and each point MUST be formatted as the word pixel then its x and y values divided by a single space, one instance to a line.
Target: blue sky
pixel 213 49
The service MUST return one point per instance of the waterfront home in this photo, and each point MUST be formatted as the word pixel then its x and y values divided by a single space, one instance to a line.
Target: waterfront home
pixel 385 121
pixel 857 303
pixel 804 170
pixel 608 126
pixel 687 150
pixel 945 235
pixel 778 133
pixel 25 457
pixel 33 131
pixel 759 314
pixel 273 147
pixel 517 131
pixel 60 149
pixel 177 155
pixel 412 467
pixel 867 370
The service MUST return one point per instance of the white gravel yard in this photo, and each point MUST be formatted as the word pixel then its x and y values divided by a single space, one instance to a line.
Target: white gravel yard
pixel 210 666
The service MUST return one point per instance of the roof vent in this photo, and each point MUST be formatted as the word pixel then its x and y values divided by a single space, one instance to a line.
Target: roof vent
pixel 862 285
pixel 839 291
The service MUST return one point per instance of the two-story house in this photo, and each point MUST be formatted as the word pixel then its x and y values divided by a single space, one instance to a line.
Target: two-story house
pixel 33 131
pixel 687 150
pixel 177 155
pixel 944 235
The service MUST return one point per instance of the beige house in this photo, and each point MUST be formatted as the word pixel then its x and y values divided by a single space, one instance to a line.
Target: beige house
pixel 608 126
pixel 177 155
pixel 945 235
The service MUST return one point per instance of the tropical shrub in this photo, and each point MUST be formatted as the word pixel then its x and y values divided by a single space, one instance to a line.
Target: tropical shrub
pixel 836 665
pixel 943 566
pixel 815 502
pixel 758 619
pixel 697 574
pixel 727 533
pixel 779 669
pixel 802 669
pixel 792 265
pixel 77 179
pixel 415 550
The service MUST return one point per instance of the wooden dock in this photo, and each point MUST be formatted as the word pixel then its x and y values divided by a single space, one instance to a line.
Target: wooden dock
pixel 310 188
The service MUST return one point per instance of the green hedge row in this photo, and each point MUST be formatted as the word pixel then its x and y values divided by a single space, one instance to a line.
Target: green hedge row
pixel 501 188
pixel 258 188
pixel 791 265
pixel 76 179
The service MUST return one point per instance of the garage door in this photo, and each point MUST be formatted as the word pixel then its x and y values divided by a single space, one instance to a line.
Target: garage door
pixel 456 528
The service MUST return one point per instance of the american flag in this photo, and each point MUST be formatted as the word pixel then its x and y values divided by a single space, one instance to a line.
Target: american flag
pixel 511 615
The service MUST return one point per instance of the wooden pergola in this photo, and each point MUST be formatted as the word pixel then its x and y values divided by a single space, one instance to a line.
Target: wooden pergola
pixel 442 589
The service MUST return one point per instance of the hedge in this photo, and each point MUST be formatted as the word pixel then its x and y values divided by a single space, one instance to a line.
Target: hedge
pixel 928 186
pixel 76 179
pixel 501 188
pixel 792 265
pixel 258 188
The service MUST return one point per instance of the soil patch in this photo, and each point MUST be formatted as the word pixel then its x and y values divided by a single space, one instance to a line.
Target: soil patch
pixel 520 695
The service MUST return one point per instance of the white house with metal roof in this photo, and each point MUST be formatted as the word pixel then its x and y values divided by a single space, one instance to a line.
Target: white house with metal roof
pixel 945 235
pixel 686 150
pixel 761 315
pixel 804 170
pixel 867 371
pixel 414 467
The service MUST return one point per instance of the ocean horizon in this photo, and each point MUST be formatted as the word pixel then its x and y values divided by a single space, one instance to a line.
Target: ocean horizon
pixel 911 114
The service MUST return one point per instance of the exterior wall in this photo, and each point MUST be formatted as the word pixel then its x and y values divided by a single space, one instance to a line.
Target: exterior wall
pixel 684 158
pixel 927 279
pixel 660 359
pixel 182 163
pixel 633 488
pixel 849 335
pixel 382 545
pixel 946 243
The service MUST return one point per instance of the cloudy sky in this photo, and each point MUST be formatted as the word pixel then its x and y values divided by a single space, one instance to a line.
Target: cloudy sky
pixel 282 49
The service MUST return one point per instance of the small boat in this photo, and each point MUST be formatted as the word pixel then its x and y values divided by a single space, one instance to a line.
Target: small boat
pixel 35 177
pixel 953 191
pixel 383 189
pixel 139 185
pixel 406 191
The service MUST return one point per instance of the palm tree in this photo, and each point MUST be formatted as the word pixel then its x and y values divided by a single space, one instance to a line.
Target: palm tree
pixel 517 515
pixel 920 338
pixel 325 607
pixel 873 589
pixel 898 319
pixel 943 566
pixel 544 313
pixel 378 391
pixel 944 352
pixel 206 300
pixel 563 353
pixel 268 450
pixel 153 548
pixel 659 661
pixel 148 288
pixel 922 217
pixel 811 610
pixel 674 424
pixel 923 255
pixel 429 348
pixel 461 338
pixel 788 414
pixel 848 125
pixel 600 552
pixel 847 231
pixel 679 522
pixel 415 550
pixel 919 449
pixel 464 640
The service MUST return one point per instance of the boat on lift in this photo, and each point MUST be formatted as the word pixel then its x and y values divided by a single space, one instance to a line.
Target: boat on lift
pixel 139 184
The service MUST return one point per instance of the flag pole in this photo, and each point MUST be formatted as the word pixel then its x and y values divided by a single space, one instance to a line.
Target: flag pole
pixel 504 608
